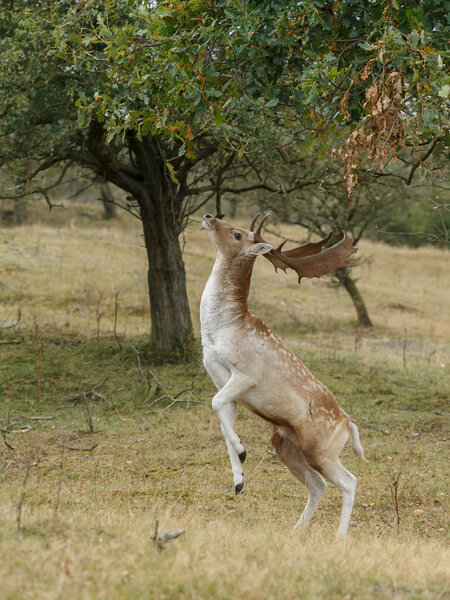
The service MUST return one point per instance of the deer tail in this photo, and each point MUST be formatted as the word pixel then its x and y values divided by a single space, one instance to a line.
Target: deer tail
pixel 355 441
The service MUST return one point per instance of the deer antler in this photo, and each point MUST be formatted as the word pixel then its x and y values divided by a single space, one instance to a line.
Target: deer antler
pixel 307 260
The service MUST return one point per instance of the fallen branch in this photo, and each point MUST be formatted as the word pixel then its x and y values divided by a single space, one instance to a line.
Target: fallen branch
pixel 14 323
pixel 7 429
pixel 92 392
pixel 5 439
pixel 161 541
pixel 176 398
pixel 49 418
pixel 25 429
pixel 12 341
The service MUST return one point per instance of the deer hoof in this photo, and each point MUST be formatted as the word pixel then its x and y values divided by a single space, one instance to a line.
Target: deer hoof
pixel 238 488
pixel 243 456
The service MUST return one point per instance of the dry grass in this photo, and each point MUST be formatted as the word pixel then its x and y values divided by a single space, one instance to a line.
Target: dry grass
pixel 87 517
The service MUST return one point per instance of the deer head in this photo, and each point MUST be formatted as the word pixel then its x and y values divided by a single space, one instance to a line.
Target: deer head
pixel 308 260
pixel 234 242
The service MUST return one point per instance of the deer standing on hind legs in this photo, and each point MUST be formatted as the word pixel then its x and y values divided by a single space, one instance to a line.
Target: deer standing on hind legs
pixel 250 365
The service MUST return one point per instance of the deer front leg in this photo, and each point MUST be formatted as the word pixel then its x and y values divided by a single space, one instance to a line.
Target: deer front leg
pixel 236 468
pixel 224 404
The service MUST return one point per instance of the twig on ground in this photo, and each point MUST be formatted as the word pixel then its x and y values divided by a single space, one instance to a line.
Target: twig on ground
pixel 5 439
pixel 49 418
pixel 12 341
pixel 92 392
pixel 265 455
pixel 14 323
pixel 7 429
pixel 161 541
pixel 386 522
pixel 393 480
pixel 138 358
pixel 176 398
pixel 162 385
pixel 24 429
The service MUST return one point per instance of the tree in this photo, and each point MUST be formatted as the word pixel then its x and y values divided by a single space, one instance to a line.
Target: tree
pixel 159 98
pixel 328 208
pixel 40 118
pixel 108 201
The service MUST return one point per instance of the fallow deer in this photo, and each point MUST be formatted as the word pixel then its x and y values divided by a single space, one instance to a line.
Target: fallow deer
pixel 250 365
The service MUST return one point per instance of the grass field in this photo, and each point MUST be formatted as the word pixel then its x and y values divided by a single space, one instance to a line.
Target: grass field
pixel 82 489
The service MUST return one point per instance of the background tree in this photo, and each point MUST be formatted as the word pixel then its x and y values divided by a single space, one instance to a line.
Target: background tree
pixel 108 201
pixel 327 208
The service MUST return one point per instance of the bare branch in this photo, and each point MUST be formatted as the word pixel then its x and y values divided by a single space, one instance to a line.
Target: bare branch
pixel 138 357
pixel 92 392
pixel 176 398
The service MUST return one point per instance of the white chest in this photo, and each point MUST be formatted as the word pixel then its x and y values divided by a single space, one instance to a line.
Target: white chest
pixel 216 313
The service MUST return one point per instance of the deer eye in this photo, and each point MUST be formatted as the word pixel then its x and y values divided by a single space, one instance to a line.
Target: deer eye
pixel 237 235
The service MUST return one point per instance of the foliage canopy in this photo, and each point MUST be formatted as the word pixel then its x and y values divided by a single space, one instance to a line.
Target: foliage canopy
pixel 370 72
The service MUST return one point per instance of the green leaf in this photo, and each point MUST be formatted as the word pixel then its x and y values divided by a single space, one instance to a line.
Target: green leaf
pixel 272 102
pixel 444 91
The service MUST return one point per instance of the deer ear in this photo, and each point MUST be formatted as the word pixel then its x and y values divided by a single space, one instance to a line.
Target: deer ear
pixel 260 248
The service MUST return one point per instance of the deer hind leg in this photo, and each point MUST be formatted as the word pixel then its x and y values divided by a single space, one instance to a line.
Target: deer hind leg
pixel 346 482
pixel 291 455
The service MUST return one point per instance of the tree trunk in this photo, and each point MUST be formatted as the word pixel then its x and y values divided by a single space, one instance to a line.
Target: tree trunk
pixel 358 302
pixel 20 205
pixel 160 201
pixel 160 204
pixel 20 212
pixel 108 201
pixel 169 306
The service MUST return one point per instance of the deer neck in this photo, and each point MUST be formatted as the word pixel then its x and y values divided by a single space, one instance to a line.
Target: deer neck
pixel 225 298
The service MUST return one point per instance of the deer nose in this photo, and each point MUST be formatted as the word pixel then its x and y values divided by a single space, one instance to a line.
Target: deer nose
pixel 208 217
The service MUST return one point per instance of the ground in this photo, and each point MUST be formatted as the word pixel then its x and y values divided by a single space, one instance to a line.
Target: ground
pixel 83 487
